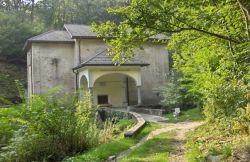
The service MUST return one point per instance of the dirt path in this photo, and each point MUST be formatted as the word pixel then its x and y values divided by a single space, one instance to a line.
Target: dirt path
pixel 181 129
pixel 178 155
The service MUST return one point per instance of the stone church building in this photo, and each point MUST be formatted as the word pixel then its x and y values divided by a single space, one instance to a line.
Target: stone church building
pixel 76 59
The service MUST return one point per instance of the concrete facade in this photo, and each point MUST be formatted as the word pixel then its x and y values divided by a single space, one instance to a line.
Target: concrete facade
pixel 50 63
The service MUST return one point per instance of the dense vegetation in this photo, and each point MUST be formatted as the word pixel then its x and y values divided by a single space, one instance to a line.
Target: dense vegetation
pixel 50 127
pixel 210 46
pixel 209 41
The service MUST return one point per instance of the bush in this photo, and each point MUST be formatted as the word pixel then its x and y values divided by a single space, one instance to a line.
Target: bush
pixel 175 94
pixel 8 124
pixel 224 101
pixel 227 106
pixel 53 127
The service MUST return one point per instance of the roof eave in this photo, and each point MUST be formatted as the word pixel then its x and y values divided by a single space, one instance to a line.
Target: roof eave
pixel 85 65
pixel 28 43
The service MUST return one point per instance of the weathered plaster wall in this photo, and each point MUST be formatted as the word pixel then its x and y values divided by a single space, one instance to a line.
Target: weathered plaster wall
pixel 154 75
pixel 90 47
pixel 52 66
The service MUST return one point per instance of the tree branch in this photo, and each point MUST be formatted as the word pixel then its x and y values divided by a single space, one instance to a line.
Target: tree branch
pixel 244 8
pixel 147 24
pixel 217 35
pixel 247 18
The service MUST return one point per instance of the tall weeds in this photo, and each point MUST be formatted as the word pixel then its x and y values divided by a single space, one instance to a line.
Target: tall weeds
pixel 52 127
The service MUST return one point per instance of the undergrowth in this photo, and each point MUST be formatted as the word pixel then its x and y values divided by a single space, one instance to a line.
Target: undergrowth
pixel 209 139
pixel 114 147
pixel 51 126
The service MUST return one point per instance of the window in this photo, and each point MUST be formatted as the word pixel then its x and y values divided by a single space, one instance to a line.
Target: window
pixel 102 99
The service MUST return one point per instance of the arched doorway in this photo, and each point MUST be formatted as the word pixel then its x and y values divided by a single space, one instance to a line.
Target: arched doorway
pixel 115 90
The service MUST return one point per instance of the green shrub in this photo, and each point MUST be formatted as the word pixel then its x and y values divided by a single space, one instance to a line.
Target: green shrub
pixel 53 127
pixel 224 101
pixel 8 124
pixel 241 123
pixel 175 94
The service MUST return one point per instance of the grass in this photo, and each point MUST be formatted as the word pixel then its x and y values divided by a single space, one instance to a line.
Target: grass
pixel 102 152
pixel 208 139
pixel 153 150
pixel 194 114
pixel 125 123
pixel 8 124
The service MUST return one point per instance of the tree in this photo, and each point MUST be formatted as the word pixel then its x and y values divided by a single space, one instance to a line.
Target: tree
pixel 209 41
pixel 55 13
pixel 13 32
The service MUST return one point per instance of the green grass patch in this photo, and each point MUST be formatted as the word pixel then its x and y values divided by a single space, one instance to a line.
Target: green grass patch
pixel 194 114
pixel 125 123
pixel 153 150
pixel 102 152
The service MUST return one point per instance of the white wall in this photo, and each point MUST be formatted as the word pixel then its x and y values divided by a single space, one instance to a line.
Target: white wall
pixel 48 73
pixel 114 86
pixel 52 66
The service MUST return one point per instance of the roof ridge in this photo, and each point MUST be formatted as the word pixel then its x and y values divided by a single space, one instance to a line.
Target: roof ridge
pixel 93 57
pixel 67 30
pixel 77 24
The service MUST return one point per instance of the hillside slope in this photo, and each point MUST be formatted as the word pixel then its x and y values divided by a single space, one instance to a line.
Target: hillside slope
pixel 9 72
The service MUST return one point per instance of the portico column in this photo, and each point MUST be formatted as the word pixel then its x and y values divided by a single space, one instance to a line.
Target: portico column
pixel 139 95
pixel 91 95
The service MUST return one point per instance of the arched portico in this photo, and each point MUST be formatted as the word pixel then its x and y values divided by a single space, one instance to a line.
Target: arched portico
pixel 103 82
pixel 100 68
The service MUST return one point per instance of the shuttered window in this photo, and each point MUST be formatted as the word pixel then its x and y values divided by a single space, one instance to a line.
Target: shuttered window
pixel 102 99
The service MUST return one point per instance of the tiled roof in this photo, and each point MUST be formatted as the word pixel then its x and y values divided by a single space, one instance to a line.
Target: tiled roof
pixel 56 35
pixel 51 36
pixel 84 31
pixel 79 31
pixel 70 32
pixel 102 59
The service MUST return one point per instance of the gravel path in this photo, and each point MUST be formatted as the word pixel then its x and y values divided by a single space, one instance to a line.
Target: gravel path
pixel 181 129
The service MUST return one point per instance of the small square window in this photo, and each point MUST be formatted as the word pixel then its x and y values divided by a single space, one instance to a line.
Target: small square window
pixel 102 99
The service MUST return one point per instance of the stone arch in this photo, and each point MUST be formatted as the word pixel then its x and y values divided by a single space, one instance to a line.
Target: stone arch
pixel 84 74
pixel 135 75
pixel 118 88
pixel 83 85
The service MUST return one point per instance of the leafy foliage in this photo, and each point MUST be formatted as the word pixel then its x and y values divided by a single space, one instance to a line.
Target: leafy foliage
pixel 175 94
pixel 9 124
pixel 52 127
pixel 170 94
pixel 8 74
pixel 209 42
pixel 13 31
